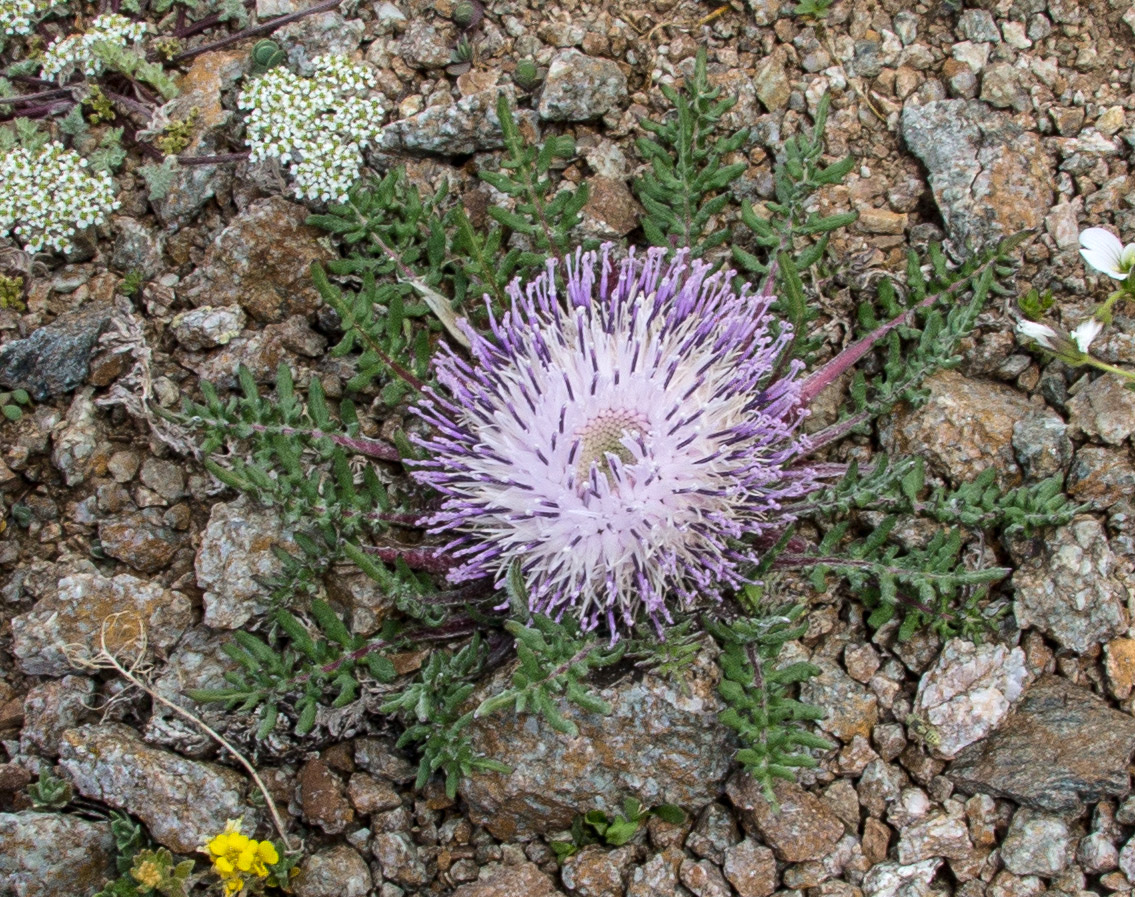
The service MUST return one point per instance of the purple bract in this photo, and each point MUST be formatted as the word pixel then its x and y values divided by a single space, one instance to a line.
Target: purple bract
pixel 618 440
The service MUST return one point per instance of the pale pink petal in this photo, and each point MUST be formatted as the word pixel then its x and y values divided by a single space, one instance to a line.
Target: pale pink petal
pixel 1083 335
pixel 1104 251
pixel 1042 333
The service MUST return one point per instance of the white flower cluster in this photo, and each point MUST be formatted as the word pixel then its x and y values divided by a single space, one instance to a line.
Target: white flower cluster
pixel 76 51
pixel 317 127
pixel 16 16
pixel 47 195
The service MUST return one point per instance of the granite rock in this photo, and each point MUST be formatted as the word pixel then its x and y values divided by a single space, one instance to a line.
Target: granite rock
pixel 1077 590
pixel 661 743
pixel 802 828
pixel 261 262
pixel 74 614
pixel 524 880
pixel 50 855
pixel 1060 749
pixel 182 802
pixel 55 359
pixel 969 691
pixel 580 87
pixel 1036 844
pixel 335 872
pixel 963 428
pixel 989 178
pixel 234 557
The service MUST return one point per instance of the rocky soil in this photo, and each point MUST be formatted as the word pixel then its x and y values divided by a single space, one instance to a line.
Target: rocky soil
pixel 992 770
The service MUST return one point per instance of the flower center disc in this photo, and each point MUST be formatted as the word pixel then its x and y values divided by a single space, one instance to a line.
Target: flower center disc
pixel 603 435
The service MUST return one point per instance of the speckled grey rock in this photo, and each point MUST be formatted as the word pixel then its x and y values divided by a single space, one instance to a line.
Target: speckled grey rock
pixel 1036 844
pixel 75 442
pixel 661 743
pixel 895 880
pixel 1060 749
pixel 51 708
pixel 73 614
pixel 141 539
pixel 262 262
pixel 801 828
pixel 399 859
pixel 208 326
pixel 524 880
pixel 704 879
pixel 1097 853
pixel 1101 476
pixel 964 427
pixel 55 359
pixel 51 855
pixel 197 661
pixel 428 43
pixel 1077 590
pixel 137 248
pixel 969 690
pixel 235 553
pixel 1104 410
pixel 750 868
pixel 468 126
pixel 598 871
pixel 938 835
pixel 580 88
pixel 850 709
pixel 1041 443
pixel 183 802
pixel 323 34
pixel 989 178
pixel 714 832
pixel 335 872
pixel 658 876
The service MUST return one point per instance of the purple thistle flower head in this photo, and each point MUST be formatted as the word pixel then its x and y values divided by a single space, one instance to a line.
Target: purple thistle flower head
pixel 618 440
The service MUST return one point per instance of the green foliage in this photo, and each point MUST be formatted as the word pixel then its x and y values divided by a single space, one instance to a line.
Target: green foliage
pixel 396 239
pixel 597 827
pixel 791 234
pixel 927 586
pixel 543 214
pixel 914 352
pixel 554 658
pixel 160 177
pixel 1034 304
pixel 12 292
pixel 312 666
pixel 11 404
pixel 812 9
pixel 670 655
pixel 767 720
pixel 131 282
pixel 130 841
pixel 686 185
pixel 432 709
pixel 132 64
pixel 50 792
pixel 266 54
pixel 898 487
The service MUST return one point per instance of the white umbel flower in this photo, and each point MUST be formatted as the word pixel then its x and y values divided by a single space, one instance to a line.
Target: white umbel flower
pixel 47 195
pixel 78 51
pixel 316 127
pixel 17 16
pixel 1105 252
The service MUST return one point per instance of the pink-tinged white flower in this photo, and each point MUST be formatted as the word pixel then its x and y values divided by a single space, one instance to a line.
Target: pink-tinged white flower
pixel 1042 334
pixel 1083 335
pixel 1105 252
pixel 617 439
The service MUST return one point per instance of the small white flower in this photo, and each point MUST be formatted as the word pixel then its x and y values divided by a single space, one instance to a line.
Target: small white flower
pixel 1083 335
pixel 1041 333
pixel 1105 252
